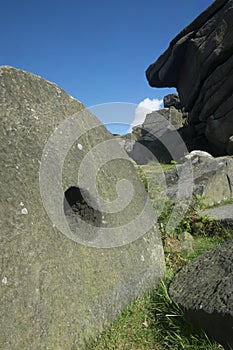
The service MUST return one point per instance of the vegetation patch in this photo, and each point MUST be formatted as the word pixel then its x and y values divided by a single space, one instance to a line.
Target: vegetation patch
pixel 155 321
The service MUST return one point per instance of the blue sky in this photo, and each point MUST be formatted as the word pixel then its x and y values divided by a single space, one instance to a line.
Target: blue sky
pixel 97 51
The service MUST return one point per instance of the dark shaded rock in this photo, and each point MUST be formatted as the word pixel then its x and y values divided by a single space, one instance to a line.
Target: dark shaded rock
pixel 80 205
pixel 158 122
pixel 230 146
pixel 155 124
pixel 172 100
pixel 60 286
pixel 199 63
pixel 204 289
pixel 157 136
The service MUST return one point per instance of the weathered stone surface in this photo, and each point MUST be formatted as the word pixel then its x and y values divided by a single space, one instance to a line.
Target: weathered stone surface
pixel 58 290
pixel 156 134
pixel 199 63
pixel 185 243
pixel 212 178
pixel 221 213
pixel 172 100
pixel 196 156
pixel 204 289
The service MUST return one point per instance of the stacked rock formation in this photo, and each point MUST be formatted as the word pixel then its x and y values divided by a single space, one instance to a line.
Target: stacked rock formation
pixel 158 132
pixel 199 63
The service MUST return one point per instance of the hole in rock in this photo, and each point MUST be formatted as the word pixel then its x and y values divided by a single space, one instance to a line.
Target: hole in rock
pixel 79 204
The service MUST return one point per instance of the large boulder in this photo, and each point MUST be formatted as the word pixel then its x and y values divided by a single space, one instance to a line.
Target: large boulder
pixel 199 63
pixel 63 278
pixel 204 289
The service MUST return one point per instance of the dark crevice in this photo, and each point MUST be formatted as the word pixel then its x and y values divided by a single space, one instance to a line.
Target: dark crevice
pixel 229 184
pixel 78 202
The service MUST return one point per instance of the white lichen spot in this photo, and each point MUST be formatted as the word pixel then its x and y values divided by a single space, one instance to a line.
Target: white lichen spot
pixel 24 211
pixel 195 160
pixel 80 146
pixel 153 255
pixel 21 204
pixel 17 167
pixel 142 258
pixel 4 280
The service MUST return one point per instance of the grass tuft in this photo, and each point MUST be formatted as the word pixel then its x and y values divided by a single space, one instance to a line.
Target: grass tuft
pixel 154 321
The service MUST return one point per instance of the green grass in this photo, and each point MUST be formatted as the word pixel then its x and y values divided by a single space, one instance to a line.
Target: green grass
pixel 156 167
pixel 224 202
pixel 154 321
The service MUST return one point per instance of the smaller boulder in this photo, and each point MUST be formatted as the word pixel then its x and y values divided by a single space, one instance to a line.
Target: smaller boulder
pixel 204 290
pixel 172 100
pixel 185 244
pixel 212 178
pixel 197 156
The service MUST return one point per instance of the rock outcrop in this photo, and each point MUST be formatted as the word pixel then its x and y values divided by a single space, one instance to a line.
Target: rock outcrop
pixel 221 213
pixel 157 134
pixel 199 63
pixel 212 178
pixel 60 285
pixel 203 288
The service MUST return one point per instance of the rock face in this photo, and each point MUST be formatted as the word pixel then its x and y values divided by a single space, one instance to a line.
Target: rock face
pixel 60 285
pixel 199 63
pixel 157 133
pixel 172 100
pixel 221 213
pixel 212 178
pixel 203 288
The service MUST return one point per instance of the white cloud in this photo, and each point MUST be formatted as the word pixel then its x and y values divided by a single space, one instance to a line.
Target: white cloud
pixel 143 108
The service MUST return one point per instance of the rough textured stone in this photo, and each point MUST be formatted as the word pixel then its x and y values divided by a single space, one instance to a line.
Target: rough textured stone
pixel 199 63
pixel 221 213
pixel 212 178
pixel 172 100
pixel 196 156
pixel 56 293
pixel 185 242
pixel 156 134
pixel 203 288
